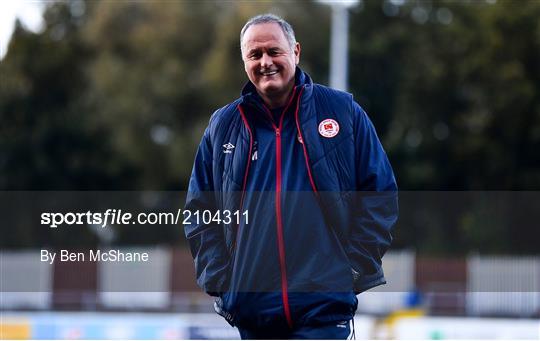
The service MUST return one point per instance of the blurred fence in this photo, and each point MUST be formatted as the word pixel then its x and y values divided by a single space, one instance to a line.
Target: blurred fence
pixel 520 282
pixel 471 286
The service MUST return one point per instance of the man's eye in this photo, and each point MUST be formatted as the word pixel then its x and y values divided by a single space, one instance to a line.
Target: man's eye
pixel 254 56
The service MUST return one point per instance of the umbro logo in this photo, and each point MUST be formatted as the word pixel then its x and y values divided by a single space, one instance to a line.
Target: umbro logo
pixel 228 147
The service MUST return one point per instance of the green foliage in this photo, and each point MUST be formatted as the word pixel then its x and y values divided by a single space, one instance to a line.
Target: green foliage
pixel 453 85
pixel 46 138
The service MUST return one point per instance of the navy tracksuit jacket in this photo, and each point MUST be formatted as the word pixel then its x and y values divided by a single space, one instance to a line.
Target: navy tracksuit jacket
pixel 321 201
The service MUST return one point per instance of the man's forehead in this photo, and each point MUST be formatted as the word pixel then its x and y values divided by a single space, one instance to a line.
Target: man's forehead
pixel 264 33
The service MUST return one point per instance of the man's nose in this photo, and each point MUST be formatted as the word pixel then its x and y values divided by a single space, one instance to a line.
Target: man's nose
pixel 266 60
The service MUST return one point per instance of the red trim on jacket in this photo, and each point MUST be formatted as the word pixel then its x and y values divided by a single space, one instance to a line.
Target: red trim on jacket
pixel 248 163
pixel 306 157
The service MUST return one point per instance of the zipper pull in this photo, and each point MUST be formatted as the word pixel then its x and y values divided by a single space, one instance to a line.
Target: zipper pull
pixel 277 132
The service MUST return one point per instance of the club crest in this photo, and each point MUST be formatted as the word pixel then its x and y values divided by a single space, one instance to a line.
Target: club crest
pixel 328 128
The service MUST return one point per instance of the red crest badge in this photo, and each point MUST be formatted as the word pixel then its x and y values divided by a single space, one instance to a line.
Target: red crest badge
pixel 328 128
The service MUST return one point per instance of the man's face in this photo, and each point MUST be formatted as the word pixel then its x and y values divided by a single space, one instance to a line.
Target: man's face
pixel 269 62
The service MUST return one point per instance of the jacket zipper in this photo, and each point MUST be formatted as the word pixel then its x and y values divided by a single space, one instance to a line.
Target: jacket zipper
pixel 281 243
pixel 279 221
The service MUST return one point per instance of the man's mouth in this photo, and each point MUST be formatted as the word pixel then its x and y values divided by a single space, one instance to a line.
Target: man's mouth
pixel 269 72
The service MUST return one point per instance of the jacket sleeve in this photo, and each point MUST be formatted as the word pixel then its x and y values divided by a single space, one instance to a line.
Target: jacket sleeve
pixel 375 205
pixel 206 241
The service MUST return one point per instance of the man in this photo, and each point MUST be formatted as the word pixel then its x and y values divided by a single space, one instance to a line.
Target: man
pixel 294 155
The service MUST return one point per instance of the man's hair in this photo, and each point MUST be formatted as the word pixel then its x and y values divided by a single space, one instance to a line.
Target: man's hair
pixel 270 18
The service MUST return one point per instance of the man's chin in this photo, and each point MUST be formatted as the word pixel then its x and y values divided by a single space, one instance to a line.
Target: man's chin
pixel 271 88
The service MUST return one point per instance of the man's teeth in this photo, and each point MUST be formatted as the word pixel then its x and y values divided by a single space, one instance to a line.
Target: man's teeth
pixel 269 73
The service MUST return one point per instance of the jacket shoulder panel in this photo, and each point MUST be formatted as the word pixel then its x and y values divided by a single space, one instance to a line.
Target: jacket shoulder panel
pixel 331 91
pixel 223 116
pixel 336 97
pixel 337 103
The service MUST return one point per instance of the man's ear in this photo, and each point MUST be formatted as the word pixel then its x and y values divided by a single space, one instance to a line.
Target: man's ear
pixel 296 51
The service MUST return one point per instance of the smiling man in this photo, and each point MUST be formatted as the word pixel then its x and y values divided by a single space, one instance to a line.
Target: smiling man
pixel 270 59
pixel 294 156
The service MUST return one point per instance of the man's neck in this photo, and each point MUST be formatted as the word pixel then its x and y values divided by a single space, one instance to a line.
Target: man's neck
pixel 278 101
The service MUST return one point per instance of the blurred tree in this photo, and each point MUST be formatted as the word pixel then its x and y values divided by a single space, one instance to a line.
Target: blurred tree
pixel 45 136
pixel 449 83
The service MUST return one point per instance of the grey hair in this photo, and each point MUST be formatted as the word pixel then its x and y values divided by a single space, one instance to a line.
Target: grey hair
pixel 270 18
